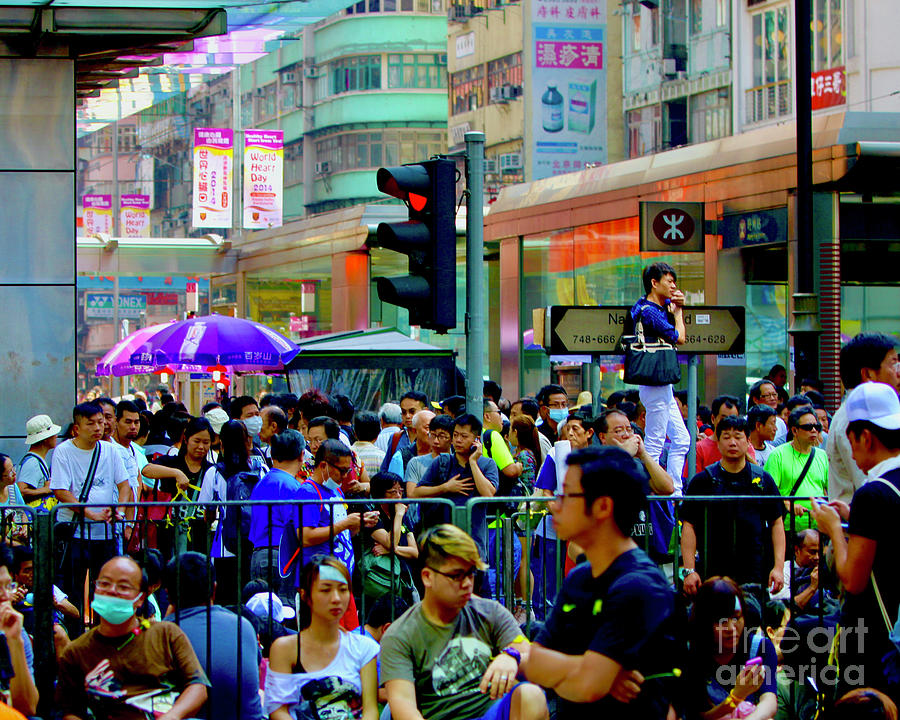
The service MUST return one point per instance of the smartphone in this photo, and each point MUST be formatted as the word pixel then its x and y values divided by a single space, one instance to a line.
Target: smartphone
pixel 753 661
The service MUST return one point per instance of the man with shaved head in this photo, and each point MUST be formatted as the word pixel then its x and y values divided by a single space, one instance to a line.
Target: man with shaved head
pixel 110 665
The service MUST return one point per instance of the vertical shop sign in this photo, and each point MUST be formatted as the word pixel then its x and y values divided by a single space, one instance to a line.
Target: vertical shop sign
pixel 213 170
pixel 96 214
pixel 134 216
pixel 568 77
pixel 263 178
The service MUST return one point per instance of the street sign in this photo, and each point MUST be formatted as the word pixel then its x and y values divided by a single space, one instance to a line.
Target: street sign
pixel 671 227
pixel 582 330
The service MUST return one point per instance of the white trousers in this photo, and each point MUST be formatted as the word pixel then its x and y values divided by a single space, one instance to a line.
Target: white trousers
pixel 664 418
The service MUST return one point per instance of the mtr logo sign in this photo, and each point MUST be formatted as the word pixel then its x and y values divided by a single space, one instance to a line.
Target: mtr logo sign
pixel 671 227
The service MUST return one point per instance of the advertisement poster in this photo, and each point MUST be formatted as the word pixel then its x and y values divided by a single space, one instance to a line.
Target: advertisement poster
pixel 263 178
pixel 829 88
pixel 213 170
pixel 97 215
pixel 134 216
pixel 568 77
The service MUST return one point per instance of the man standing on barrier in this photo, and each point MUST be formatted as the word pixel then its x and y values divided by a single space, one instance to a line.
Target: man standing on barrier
pixel 734 538
pixel 87 470
pixel 661 313
pixel 451 656
pixel 608 647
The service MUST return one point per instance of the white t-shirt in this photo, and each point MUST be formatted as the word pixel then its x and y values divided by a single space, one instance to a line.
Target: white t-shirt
pixel 69 471
pixel 134 460
pixel 336 689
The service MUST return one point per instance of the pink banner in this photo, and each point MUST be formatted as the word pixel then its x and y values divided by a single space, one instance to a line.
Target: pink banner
pixel 134 215
pixel 263 178
pixel 97 214
pixel 213 171
pixel 574 55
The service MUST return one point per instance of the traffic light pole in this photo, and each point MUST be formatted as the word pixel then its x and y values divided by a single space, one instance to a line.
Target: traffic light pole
pixel 475 321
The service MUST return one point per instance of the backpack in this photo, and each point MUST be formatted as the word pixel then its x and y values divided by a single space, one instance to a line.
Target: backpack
pixel 236 523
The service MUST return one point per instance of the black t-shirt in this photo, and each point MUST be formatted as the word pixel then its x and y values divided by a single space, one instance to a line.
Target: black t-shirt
pixel 873 512
pixel 167 485
pixel 733 538
pixel 626 614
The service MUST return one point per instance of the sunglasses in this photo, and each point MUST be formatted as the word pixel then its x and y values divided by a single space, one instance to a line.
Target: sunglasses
pixel 809 427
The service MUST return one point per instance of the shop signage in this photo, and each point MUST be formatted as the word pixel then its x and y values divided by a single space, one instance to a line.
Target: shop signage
pixel 580 330
pixel 760 227
pixel 213 171
pixel 829 88
pixel 671 227
pixel 100 305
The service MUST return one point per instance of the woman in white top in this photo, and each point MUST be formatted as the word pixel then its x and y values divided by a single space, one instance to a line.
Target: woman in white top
pixel 324 671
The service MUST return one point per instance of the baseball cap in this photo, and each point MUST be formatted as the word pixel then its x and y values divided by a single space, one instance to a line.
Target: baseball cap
pixel 40 427
pixel 876 402
pixel 217 418
pixel 260 603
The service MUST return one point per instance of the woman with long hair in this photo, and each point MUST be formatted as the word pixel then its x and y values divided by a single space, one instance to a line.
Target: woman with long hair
pixel 523 436
pixel 323 671
pixel 732 671
pixel 185 529
pixel 235 456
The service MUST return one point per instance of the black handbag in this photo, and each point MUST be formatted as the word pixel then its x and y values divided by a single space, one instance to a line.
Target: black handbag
pixel 653 362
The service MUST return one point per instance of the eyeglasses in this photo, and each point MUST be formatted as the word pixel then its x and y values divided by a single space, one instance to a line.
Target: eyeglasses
pixel 439 435
pixel 9 587
pixel 343 471
pixel 118 588
pixel 809 427
pixel 769 396
pixel 459 577
pixel 559 497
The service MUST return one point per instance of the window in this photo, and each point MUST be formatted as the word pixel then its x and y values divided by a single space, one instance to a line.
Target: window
pixel 636 31
pixel 654 27
pixel 293 163
pixel 696 17
pixel 827 36
pixel 417 70
pixel 355 73
pixel 361 151
pixel 722 13
pixel 467 90
pixel 770 96
pixel 710 115
pixel 431 7
pixel 505 72
pixel 644 131
pixel 247 110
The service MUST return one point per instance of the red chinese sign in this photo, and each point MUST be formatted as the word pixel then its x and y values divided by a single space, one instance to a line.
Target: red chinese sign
pixel 829 88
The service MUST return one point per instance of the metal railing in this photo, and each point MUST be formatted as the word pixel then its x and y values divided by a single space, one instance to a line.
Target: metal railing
pixel 765 102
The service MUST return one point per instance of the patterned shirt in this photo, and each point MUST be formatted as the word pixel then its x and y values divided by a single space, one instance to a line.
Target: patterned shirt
pixel 657 322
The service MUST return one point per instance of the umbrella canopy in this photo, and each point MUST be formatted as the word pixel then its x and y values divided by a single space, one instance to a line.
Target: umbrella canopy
pixel 117 361
pixel 215 340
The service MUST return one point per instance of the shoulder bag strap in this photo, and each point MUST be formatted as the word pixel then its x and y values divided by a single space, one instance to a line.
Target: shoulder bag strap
pixel 809 462
pixel 881 606
pixel 89 479
pixel 41 464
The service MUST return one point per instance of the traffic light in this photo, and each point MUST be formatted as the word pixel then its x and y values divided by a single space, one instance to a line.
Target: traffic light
pixel 428 237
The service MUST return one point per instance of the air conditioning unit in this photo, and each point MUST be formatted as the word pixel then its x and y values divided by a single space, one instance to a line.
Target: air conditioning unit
pixel 323 168
pixel 669 66
pixel 495 94
pixel 309 72
pixel 510 161
pixel 507 92
pixel 288 78
pixel 490 167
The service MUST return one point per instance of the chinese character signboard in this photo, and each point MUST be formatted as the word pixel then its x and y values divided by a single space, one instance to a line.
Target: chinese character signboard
pixel 829 88
pixel 760 227
pixel 568 77
pixel 134 215
pixel 97 215
pixel 213 169
pixel 263 178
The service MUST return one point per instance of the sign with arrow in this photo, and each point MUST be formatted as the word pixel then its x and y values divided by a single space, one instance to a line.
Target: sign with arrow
pixel 583 330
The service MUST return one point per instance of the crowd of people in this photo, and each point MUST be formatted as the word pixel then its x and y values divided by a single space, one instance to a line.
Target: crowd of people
pixel 296 557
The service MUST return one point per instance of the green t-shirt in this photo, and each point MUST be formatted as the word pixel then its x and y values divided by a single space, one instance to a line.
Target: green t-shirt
pixel 446 663
pixel 499 451
pixel 785 465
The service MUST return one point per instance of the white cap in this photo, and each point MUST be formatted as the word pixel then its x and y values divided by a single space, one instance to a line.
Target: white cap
pixel 40 427
pixel 261 603
pixel 876 402
pixel 217 418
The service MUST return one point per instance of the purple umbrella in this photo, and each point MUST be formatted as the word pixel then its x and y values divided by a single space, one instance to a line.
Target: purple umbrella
pixel 117 361
pixel 216 340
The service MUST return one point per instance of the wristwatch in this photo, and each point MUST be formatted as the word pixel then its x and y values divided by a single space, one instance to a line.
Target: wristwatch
pixel 685 573
pixel 514 654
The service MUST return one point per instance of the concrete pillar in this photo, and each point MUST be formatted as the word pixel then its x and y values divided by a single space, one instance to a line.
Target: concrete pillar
pixel 349 291
pixel 37 236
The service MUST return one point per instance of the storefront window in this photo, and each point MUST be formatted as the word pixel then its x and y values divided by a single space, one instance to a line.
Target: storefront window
pixel 869 309
pixel 294 299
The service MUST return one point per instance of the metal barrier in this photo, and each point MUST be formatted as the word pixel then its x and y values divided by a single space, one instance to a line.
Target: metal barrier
pixel 513 520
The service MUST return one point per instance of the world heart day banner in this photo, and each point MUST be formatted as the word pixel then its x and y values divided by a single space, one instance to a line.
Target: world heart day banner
pixel 263 178
pixel 213 171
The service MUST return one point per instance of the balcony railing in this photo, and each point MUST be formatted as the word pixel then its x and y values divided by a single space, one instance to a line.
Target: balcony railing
pixel 769 101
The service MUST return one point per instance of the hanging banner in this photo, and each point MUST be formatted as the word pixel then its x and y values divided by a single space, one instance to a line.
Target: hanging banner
pixel 213 170
pixel 829 88
pixel 134 215
pixel 567 116
pixel 263 178
pixel 97 215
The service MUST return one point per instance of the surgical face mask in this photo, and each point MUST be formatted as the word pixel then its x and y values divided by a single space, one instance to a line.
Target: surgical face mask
pixel 332 485
pixel 253 425
pixel 559 415
pixel 115 610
